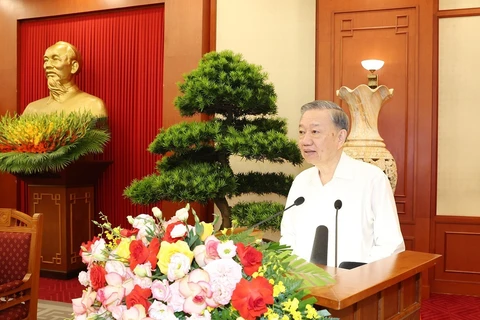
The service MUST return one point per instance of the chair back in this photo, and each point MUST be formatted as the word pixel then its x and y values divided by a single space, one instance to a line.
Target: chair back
pixel 20 250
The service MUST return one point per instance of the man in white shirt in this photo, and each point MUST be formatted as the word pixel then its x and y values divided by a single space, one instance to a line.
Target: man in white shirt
pixel 368 226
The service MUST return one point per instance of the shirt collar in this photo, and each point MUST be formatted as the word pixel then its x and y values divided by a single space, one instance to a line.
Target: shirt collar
pixel 344 170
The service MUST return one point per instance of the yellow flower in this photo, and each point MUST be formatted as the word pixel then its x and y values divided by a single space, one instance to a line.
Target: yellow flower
pixel 278 288
pixel 311 312
pixel 168 249
pixel 297 315
pixel 123 248
pixel 285 317
pixel 291 305
pixel 271 315
pixel 207 230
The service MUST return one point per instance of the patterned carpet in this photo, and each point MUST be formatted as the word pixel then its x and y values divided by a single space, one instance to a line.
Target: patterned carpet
pixel 450 307
pixel 52 310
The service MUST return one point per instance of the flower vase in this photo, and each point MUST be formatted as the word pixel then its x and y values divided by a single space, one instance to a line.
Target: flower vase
pixel 364 142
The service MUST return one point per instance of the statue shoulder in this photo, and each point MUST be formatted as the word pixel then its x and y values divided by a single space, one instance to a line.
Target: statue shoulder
pixel 36 106
pixel 91 103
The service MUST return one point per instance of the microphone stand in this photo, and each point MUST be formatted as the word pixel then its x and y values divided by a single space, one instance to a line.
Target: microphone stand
pixel 336 236
pixel 297 202
pixel 338 206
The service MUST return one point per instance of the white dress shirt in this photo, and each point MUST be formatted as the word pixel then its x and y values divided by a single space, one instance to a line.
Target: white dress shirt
pixel 368 226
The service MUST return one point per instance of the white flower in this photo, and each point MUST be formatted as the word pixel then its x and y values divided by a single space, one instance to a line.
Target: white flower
pixel 160 311
pixel 222 292
pixel 130 219
pixel 227 249
pixel 178 267
pixel 224 276
pixel 143 270
pixel 182 214
pixel 83 278
pixel 143 220
pixel 143 282
pixel 206 316
pixel 161 290
pixel 177 300
pixel 98 251
pixel 145 225
pixel 178 231
pixel 116 267
pixel 157 213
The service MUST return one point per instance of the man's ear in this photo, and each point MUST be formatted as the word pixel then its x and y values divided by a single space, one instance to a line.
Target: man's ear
pixel 342 136
pixel 75 66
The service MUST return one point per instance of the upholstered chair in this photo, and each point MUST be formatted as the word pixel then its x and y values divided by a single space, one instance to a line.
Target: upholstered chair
pixel 20 244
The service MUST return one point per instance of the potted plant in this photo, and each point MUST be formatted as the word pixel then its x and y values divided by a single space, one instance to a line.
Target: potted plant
pixel 195 166
pixel 45 143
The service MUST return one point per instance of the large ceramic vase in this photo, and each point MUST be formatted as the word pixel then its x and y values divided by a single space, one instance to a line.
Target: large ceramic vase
pixel 364 142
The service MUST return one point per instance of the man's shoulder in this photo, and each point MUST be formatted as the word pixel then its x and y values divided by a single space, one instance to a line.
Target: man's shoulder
pixel 362 165
pixel 307 173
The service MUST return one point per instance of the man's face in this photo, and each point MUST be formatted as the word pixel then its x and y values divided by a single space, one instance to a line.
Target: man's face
pixel 57 65
pixel 320 140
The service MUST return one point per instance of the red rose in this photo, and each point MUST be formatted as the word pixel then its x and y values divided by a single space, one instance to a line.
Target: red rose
pixel 97 276
pixel 85 247
pixel 127 233
pixel 251 298
pixel 250 258
pixel 167 237
pixel 139 296
pixel 138 253
pixel 153 249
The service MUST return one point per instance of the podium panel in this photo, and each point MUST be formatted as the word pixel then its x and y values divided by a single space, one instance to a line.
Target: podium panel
pixel 67 201
pixel 68 213
pixel 389 288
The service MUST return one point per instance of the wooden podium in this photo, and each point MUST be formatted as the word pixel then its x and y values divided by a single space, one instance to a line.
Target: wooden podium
pixel 389 288
pixel 67 201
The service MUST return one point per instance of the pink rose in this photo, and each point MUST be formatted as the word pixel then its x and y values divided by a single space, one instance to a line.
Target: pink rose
pixel 135 312
pixel 195 287
pixel 208 252
pixel 84 304
pixel 161 290
pixel 111 295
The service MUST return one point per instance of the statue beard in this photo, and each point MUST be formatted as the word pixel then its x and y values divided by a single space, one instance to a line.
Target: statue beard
pixel 56 88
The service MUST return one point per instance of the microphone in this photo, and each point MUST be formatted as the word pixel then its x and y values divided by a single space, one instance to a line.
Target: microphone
pixel 319 253
pixel 297 202
pixel 338 206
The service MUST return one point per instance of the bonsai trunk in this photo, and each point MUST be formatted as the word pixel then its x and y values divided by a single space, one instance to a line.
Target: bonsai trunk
pixel 225 210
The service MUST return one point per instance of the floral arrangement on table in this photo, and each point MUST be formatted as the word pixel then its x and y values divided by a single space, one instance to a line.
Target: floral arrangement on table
pixel 38 143
pixel 168 269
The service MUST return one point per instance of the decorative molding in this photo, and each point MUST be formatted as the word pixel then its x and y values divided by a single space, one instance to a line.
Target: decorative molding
pixel 457 239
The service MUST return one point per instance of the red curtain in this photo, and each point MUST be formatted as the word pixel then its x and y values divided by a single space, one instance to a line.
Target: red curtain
pixel 122 53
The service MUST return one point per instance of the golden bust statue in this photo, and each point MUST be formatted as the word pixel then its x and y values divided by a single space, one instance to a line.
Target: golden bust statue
pixel 61 63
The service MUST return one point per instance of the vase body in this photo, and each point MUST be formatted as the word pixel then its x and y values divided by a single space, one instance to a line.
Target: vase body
pixel 364 142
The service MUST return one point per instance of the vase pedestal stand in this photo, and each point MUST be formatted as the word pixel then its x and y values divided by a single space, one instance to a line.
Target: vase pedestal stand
pixel 67 201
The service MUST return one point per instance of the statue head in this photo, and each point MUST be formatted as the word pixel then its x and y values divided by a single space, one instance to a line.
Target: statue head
pixel 61 62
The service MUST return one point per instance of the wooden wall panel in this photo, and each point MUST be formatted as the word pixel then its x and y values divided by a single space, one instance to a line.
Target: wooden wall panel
pixel 400 32
pixel 457 239
pixel 388 35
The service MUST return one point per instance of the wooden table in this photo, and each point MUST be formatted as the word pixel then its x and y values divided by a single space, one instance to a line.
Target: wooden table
pixel 389 288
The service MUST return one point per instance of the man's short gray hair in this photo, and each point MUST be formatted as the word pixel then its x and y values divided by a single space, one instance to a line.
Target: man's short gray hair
pixel 339 117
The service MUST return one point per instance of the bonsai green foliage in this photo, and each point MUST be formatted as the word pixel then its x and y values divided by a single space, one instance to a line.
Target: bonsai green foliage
pixel 196 155
pixel 41 143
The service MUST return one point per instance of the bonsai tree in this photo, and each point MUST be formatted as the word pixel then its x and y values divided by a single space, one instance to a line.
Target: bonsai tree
pixel 195 166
